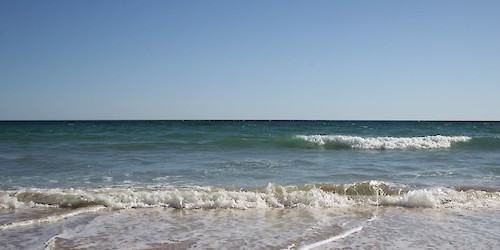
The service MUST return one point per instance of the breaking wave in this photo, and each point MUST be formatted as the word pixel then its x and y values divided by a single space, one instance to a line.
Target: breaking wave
pixel 271 196
pixel 358 142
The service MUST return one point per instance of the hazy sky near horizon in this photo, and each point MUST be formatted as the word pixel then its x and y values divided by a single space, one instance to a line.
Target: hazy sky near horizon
pixel 419 60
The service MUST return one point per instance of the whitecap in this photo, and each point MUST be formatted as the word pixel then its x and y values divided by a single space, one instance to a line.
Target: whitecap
pixel 358 142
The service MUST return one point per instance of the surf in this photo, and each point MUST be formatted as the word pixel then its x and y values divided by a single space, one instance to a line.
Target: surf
pixel 387 142
pixel 366 194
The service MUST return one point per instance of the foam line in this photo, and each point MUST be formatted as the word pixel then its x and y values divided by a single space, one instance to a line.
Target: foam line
pixel 50 244
pixel 372 218
pixel 334 238
pixel 50 219
pixel 338 237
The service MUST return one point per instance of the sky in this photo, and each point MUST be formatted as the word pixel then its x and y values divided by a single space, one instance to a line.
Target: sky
pixel 250 59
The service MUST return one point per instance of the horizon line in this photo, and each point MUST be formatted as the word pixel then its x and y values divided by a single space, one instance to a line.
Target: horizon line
pixel 245 120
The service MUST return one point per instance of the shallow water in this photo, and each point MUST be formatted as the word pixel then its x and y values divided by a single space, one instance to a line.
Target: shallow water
pixel 167 228
pixel 398 228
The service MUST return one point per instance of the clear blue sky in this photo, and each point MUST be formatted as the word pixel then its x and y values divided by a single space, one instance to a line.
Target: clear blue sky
pixel 437 60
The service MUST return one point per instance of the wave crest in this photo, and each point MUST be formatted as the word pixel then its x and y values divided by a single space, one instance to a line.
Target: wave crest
pixel 358 142
pixel 272 196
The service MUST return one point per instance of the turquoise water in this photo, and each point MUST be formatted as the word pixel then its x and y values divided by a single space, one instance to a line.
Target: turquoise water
pixel 62 171
pixel 247 154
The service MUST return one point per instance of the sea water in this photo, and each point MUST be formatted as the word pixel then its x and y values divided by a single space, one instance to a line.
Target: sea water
pixel 249 185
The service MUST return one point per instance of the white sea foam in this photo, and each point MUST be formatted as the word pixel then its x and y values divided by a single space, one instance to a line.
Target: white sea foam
pixel 52 218
pixel 272 196
pixel 444 198
pixel 207 197
pixel 8 202
pixel 424 142
pixel 334 238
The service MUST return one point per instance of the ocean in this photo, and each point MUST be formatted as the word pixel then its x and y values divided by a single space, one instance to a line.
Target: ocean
pixel 249 185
